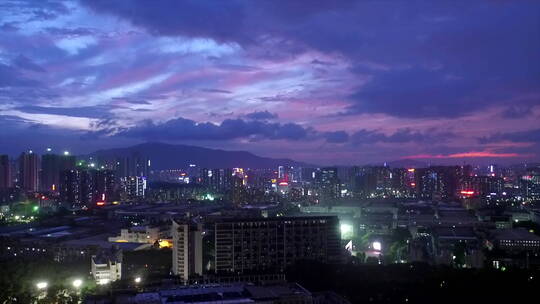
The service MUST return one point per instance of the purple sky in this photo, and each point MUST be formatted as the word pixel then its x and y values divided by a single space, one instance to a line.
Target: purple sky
pixel 327 82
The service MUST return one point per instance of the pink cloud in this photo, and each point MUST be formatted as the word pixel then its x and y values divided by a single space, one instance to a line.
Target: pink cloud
pixel 474 154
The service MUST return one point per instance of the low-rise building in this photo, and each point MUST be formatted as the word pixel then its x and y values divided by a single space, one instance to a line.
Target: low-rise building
pixel 107 267
pixel 516 239
pixel 282 293
pixel 142 234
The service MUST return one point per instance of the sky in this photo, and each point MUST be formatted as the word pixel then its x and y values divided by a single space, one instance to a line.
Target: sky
pixel 325 82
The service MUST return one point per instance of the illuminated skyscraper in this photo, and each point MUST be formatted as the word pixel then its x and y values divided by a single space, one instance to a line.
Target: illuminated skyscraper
pixel 134 186
pixel 29 171
pixel 77 187
pixel 329 183
pixel 437 181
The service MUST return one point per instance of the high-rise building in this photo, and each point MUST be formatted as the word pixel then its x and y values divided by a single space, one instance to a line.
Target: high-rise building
pixel 134 186
pixel 51 167
pixel 29 171
pixel 271 244
pixel 187 249
pixel 87 186
pixel 482 185
pixel 438 181
pixel 307 174
pixel 5 172
pixel 530 184
pixel 77 187
pixel 217 180
pixel 106 267
pixel 135 165
pixel 329 183
pixel 105 187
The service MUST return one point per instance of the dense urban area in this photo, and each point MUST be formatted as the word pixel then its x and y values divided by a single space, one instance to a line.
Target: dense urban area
pixel 114 230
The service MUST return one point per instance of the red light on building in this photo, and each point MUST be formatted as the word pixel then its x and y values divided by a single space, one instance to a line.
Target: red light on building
pixel 100 203
pixel 467 192
pixel 413 184
pixel 283 184
pixel 410 170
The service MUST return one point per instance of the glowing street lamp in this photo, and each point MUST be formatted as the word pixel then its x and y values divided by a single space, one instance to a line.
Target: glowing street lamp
pixel 77 283
pixel 66 153
pixel 42 285
pixel 137 280
pixel 346 228
pixel 347 231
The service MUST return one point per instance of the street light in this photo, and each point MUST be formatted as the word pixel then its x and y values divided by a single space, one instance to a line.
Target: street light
pixel 77 283
pixel 42 285
pixel 137 280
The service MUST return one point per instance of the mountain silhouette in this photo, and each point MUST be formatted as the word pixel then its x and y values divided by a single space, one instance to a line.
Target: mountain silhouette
pixel 169 156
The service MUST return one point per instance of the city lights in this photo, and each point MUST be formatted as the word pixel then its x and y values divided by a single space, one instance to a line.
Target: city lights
pixel 250 151
pixel 164 244
pixel 77 283
pixel 377 246
pixel 346 231
pixel 467 192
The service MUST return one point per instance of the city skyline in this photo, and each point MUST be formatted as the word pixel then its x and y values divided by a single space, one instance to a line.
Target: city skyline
pixel 269 151
pixel 338 83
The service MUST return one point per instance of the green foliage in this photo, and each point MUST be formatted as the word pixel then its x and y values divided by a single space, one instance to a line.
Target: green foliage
pixel 18 280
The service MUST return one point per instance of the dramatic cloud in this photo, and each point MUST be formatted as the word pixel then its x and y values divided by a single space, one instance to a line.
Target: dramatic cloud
pixel 11 77
pixel 532 136
pixel 400 136
pixel 336 136
pixel 482 154
pixel 261 115
pixel 418 93
pixel 331 81
pixel 27 64
pixel 90 112
pixel 186 129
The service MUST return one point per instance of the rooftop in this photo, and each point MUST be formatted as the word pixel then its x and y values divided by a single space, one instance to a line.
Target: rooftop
pixel 515 234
